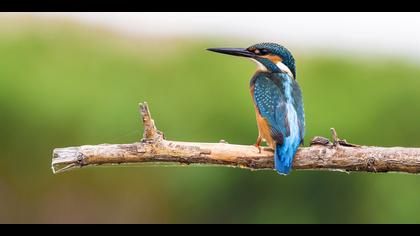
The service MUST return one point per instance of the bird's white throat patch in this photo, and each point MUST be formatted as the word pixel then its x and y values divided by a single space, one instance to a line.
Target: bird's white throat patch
pixel 279 64
pixel 260 66
pixel 284 68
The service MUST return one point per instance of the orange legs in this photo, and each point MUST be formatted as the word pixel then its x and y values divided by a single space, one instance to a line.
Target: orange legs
pixel 258 143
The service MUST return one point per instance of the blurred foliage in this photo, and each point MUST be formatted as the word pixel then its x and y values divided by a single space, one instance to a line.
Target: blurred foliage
pixel 63 84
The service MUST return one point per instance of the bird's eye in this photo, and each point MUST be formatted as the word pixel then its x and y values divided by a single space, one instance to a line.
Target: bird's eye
pixel 263 51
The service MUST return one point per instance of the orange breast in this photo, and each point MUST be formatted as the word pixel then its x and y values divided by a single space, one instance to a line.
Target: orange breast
pixel 264 129
pixel 263 126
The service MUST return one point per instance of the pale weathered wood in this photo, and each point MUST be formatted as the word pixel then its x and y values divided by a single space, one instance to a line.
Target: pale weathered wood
pixel 321 155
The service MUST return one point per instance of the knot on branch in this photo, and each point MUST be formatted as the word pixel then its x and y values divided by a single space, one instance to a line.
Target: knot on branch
pixel 371 162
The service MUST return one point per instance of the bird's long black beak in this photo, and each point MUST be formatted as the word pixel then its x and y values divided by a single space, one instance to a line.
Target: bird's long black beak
pixel 233 51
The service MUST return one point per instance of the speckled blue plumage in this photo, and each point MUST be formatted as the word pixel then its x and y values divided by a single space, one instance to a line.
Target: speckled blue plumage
pixel 279 100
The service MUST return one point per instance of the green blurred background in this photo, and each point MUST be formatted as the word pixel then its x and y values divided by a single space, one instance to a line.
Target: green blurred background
pixel 64 84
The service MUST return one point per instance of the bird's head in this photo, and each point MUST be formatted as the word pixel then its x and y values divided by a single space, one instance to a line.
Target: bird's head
pixel 270 57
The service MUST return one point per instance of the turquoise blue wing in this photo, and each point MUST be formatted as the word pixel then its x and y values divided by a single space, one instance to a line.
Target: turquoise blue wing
pixel 298 105
pixel 271 104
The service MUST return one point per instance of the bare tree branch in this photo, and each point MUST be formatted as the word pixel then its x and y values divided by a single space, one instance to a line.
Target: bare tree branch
pixel 321 155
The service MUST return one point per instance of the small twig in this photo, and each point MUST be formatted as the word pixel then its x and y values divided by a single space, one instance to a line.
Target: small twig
pixel 335 139
pixel 150 132
pixel 342 142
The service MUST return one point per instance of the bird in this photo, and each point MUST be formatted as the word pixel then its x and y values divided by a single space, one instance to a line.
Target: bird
pixel 277 99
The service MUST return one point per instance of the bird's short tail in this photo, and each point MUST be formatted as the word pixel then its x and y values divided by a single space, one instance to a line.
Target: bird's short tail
pixel 283 159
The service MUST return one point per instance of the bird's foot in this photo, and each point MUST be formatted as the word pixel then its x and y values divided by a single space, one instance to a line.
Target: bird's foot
pixel 260 149
pixel 258 143
pixel 269 149
pixel 258 146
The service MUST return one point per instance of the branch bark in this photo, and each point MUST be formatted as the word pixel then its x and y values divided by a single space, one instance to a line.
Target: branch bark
pixel 154 148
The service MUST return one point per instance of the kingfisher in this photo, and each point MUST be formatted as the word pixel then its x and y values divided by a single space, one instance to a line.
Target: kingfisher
pixel 277 98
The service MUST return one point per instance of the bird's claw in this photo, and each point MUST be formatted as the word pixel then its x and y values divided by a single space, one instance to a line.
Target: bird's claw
pixel 259 147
